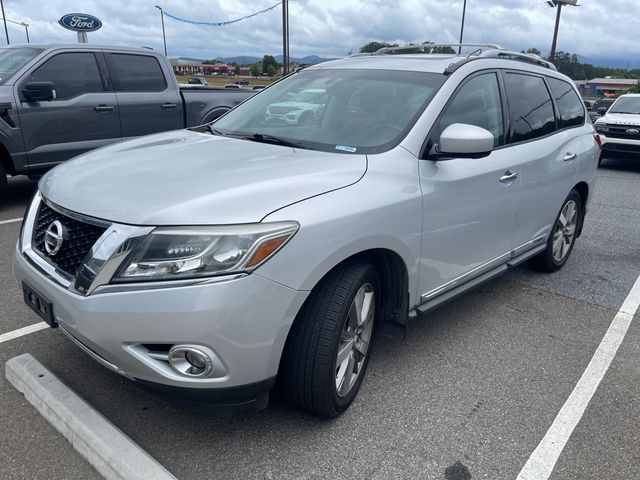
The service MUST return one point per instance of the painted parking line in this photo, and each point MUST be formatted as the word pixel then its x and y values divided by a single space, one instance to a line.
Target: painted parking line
pixel 543 459
pixel 12 220
pixel 102 444
pixel 5 337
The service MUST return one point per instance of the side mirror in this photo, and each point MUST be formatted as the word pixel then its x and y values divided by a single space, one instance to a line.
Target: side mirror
pixel 465 141
pixel 38 91
pixel 602 110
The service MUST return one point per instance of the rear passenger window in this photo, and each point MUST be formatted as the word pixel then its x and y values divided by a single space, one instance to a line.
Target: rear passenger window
pixel 530 107
pixel 138 73
pixel 476 103
pixel 570 106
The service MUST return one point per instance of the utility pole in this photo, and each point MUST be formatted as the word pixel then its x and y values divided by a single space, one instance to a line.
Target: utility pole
pixel 26 29
pixel 464 13
pixel 6 32
pixel 285 37
pixel 164 38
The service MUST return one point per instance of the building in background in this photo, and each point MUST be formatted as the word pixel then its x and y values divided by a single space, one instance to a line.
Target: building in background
pixel 605 87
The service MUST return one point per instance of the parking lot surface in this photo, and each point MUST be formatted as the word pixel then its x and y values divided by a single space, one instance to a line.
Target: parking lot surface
pixel 468 395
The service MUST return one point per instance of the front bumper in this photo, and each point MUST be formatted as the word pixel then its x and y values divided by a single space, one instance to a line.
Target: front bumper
pixel 619 146
pixel 244 321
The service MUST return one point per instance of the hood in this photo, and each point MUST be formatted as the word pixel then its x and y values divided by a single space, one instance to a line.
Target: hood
pixel 190 178
pixel 619 119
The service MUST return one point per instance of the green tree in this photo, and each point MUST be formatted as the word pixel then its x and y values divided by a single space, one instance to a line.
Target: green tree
pixel 534 51
pixel 267 62
pixel 271 70
pixel 256 69
pixel 373 47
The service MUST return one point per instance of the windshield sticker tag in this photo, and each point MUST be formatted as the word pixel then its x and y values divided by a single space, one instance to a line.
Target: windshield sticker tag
pixel 344 148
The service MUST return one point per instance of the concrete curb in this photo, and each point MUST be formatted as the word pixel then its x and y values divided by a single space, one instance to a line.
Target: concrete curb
pixel 101 443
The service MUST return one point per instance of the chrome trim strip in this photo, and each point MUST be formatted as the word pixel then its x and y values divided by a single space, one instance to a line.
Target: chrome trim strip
pixel 75 215
pixel 464 277
pixel 155 285
pixel 479 270
pixel 94 355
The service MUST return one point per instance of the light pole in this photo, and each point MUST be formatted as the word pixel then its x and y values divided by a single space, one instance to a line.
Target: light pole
pixel 164 38
pixel 464 12
pixel 26 29
pixel 285 37
pixel 6 32
pixel 558 4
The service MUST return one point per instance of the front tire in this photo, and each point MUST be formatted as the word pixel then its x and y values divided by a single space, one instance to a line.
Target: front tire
pixel 328 349
pixel 563 236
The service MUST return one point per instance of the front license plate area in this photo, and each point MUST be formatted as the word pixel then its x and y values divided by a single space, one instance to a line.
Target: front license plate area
pixel 39 304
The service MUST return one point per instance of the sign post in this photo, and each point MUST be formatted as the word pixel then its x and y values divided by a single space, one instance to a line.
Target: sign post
pixel 80 23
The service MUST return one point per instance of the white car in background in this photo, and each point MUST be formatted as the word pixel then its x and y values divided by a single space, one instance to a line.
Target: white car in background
pixel 303 108
pixel 619 128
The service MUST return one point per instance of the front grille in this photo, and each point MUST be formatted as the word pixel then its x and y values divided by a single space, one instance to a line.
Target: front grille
pixel 78 239
pixel 620 131
pixel 279 110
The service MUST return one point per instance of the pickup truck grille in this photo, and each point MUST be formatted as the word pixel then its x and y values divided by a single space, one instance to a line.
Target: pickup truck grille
pixel 78 239
pixel 620 131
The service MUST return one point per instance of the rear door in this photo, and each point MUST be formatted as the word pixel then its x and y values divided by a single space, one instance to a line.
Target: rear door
pixel 82 116
pixel 149 102
pixel 547 150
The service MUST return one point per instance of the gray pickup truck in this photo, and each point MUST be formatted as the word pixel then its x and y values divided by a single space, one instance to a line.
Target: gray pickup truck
pixel 58 101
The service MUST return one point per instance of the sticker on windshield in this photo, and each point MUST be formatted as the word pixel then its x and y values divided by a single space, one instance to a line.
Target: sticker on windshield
pixel 345 148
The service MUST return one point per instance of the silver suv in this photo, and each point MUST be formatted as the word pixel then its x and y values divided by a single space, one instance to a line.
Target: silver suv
pixel 204 263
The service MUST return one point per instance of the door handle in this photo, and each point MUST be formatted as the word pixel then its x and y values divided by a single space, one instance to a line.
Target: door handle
pixel 167 106
pixel 103 108
pixel 568 157
pixel 508 176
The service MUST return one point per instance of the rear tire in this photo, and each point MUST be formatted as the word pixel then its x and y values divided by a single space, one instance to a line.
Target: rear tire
pixel 328 348
pixel 562 237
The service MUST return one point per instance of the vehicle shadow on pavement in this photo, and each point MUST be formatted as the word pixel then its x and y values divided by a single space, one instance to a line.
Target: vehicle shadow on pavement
pixel 621 164
pixel 19 191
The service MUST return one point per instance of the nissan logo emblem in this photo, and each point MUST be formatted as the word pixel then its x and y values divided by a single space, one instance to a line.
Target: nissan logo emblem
pixel 633 131
pixel 53 237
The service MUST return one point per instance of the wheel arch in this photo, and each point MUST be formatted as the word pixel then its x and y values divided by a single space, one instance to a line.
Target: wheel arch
pixel 5 160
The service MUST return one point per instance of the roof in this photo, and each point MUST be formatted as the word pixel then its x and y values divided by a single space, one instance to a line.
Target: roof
pixel 615 81
pixel 88 46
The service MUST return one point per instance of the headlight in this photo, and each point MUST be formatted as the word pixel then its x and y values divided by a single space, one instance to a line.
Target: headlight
pixel 601 128
pixel 170 253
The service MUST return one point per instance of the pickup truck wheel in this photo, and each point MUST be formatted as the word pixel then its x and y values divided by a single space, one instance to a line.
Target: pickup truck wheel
pixel 328 349
pixel 563 236
pixel 3 184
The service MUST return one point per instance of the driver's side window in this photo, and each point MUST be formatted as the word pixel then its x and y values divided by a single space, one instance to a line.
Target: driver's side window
pixel 72 74
pixel 476 103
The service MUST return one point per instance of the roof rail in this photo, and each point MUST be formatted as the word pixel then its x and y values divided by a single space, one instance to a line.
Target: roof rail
pixel 522 57
pixel 431 46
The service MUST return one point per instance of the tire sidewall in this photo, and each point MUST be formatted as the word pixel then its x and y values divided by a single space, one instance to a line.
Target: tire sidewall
pixel 368 275
pixel 576 198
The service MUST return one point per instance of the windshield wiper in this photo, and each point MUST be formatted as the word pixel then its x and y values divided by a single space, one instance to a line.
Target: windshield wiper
pixel 266 138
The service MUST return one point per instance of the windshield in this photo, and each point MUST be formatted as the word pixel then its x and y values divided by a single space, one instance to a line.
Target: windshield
pixel 13 59
pixel 348 111
pixel 626 105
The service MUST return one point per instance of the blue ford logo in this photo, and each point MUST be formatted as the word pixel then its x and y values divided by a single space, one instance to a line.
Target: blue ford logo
pixel 80 22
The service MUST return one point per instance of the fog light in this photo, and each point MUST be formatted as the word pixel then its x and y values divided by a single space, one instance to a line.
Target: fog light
pixel 190 360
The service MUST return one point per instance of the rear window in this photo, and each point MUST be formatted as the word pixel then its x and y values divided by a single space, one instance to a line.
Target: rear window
pixel 530 107
pixel 569 104
pixel 137 73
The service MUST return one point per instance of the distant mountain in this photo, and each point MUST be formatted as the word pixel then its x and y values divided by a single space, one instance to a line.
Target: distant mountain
pixel 249 60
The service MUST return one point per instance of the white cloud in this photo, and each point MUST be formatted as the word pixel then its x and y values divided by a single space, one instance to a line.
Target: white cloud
pixel 333 27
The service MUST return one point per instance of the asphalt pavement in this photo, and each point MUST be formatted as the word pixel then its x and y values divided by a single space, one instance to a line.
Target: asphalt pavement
pixel 468 395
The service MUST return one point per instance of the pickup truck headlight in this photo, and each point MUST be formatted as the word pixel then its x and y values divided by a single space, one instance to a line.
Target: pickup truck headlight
pixel 601 128
pixel 171 253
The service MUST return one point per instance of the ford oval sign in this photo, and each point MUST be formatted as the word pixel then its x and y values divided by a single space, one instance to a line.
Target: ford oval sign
pixel 80 22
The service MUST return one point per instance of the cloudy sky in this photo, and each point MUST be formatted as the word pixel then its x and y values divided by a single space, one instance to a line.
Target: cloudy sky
pixel 331 28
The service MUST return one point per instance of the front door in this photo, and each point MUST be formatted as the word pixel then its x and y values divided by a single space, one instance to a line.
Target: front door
pixel 469 205
pixel 83 115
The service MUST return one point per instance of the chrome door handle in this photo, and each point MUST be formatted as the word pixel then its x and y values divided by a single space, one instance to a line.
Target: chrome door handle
pixel 568 157
pixel 103 108
pixel 508 176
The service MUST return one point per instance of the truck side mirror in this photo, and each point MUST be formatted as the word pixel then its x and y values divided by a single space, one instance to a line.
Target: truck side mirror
pixel 38 91
pixel 602 110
